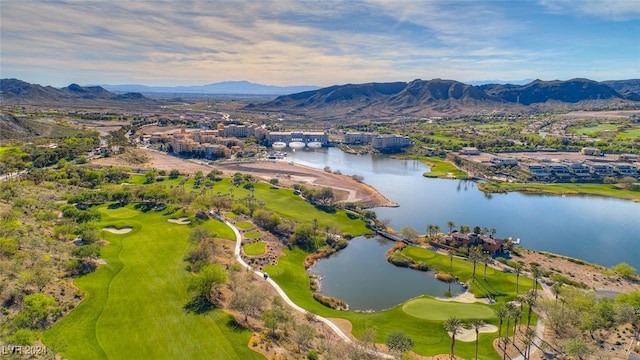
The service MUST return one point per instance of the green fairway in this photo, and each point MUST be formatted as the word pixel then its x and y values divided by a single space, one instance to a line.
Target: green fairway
pixel 134 303
pixel 431 309
pixel 257 248
pixel 595 130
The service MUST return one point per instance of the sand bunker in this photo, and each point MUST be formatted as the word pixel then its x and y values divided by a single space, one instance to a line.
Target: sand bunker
pixel 181 221
pixel 115 230
pixel 466 297
pixel 468 335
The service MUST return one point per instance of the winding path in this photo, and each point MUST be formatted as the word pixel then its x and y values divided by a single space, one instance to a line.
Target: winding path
pixel 284 296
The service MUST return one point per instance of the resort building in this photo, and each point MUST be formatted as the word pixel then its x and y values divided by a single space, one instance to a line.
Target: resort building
pixel 591 151
pixel 358 138
pixel 489 244
pixel 390 142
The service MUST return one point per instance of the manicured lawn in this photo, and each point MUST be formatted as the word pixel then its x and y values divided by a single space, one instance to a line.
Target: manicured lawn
pixel 244 225
pixel 563 189
pixel 500 285
pixel 630 134
pixel 431 309
pixel 429 335
pixel 595 130
pixel 252 234
pixel 254 249
pixel 134 303
pixel 231 215
pixel 288 205
pixel 439 167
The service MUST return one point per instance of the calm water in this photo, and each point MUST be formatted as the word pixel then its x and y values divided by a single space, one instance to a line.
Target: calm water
pixel 600 230
pixel 361 276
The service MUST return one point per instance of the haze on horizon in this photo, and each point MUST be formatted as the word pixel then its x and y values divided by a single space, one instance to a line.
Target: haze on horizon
pixel 316 42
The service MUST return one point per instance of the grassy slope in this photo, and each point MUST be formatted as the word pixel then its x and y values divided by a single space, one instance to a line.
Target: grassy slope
pixel 439 167
pixel 134 304
pixel 429 336
pixel 563 189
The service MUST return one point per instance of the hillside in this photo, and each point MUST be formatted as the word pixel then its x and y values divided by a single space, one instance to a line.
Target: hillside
pixel 22 127
pixel 14 91
pixel 442 97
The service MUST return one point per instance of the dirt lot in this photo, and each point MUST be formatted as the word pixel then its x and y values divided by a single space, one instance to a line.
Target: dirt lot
pixel 347 188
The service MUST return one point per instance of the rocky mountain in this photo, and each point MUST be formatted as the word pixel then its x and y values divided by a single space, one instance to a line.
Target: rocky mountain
pixel 225 87
pixel 628 88
pixel 441 97
pixel 14 91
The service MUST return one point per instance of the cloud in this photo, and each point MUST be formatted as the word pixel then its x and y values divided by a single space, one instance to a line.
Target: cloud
pixel 276 42
pixel 615 10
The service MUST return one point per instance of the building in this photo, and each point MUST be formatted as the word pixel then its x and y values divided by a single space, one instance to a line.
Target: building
pixel 591 151
pixel 625 169
pixel 358 138
pixel 301 136
pixel 539 170
pixel 501 161
pixel 469 151
pixel 559 169
pixel 579 169
pixel 601 169
pixel 628 157
pixel 489 244
pixel 390 142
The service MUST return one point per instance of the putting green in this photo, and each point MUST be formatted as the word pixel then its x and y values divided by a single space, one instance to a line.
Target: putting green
pixel 431 309
pixel 122 213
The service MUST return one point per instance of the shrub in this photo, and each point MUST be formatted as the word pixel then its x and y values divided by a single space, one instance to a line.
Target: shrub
pixel 445 277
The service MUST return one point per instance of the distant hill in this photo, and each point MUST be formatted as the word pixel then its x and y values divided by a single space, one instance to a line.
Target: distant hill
pixel 22 127
pixel 628 88
pixel 440 97
pixel 14 91
pixel 226 87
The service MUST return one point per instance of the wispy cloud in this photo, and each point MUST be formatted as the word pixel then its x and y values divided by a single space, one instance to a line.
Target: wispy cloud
pixel 292 42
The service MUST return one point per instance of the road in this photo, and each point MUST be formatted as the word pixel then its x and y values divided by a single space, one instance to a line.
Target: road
pixel 284 296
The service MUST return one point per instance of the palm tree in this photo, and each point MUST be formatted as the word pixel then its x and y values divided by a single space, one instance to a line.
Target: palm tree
pixel 518 266
pixel 517 314
pixel 474 256
pixel 453 326
pixel 511 309
pixel 451 225
pixel 501 313
pixel 556 288
pixel 476 324
pixel 529 335
pixel 537 272
pixel 436 229
pixel 451 251
pixel 430 229
pixel 530 300
pixel 486 259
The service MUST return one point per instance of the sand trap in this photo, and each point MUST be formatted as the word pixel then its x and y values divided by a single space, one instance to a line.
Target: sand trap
pixel 181 221
pixel 115 230
pixel 468 335
pixel 466 297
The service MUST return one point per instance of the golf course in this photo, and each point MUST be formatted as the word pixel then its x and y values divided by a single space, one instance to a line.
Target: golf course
pixel 135 302
pixel 134 305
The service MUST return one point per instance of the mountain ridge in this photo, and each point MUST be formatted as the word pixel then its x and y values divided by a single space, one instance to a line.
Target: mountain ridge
pixel 219 88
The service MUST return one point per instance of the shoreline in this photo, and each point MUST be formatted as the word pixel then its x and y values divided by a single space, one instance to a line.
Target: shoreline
pixel 601 190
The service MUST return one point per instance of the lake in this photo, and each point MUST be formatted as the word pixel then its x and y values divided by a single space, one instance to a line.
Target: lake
pixel 600 230
pixel 361 276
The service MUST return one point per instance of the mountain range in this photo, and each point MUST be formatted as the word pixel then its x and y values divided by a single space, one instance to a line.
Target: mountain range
pixel 18 91
pixel 225 87
pixel 370 100
pixel 442 97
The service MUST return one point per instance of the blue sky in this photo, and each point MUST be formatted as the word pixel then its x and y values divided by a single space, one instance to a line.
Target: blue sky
pixel 316 42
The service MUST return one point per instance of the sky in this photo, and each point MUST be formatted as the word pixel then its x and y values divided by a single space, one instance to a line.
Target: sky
pixel 320 43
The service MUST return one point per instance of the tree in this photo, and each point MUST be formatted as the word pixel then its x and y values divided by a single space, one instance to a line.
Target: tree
pixel 537 271
pixel 453 326
pixel 174 174
pixel 398 342
pixel 37 311
pixel 529 336
pixel 248 299
pixel 409 232
pixel 199 233
pixel 576 346
pixel 530 300
pixel 510 310
pixel 303 335
pixel 556 288
pixel 273 182
pixel 624 269
pixel 486 259
pixel 207 282
pixel 451 225
pixel 476 324
pixel 475 255
pixel 517 266
pixel 501 313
